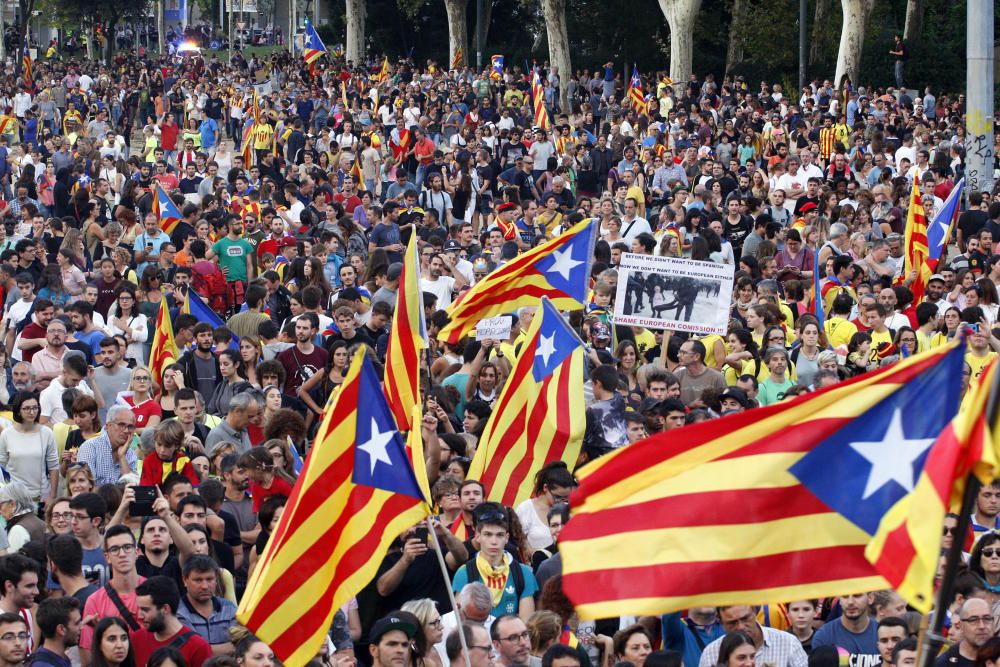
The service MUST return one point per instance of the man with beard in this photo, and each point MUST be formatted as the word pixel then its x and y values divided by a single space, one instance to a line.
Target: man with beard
pixel 111 376
pixel 200 609
pixel 200 365
pixel 236 502
pixel 23 376
pixel 975 627
pixel 854 631
pixel 305 359
pixel 234 255
pixel 441 280
pixel 15 649
pixel 59 620
pixel 157 599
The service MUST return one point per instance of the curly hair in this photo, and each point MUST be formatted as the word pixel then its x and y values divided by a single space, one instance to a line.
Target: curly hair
pixel 285 423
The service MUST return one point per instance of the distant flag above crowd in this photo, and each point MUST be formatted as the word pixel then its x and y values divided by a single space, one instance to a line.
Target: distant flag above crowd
pixel 539 416
pixel 816 474
pixel 338 50
pixel 538 98
pixel 166 212
pixel 915 242
pixel 313 47
pixel 383 73
pixel 456 62
pixel 939 233
pixel 27 72
pixel 496 67
pixel 164 350
pixel 558 269
pixel 407 341
pixel 355 495
pixel 634 93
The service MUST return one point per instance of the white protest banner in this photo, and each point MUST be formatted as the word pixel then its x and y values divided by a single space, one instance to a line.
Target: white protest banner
pixel 494 328
pixel 674 293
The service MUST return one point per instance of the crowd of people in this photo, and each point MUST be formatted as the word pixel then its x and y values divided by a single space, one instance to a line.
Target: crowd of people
pixel 139 503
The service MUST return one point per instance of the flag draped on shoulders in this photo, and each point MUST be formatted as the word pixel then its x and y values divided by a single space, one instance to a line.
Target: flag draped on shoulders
pixel 539 416
pixel 782 501
pixel 558 269
pixel 356 494
pixel 407 341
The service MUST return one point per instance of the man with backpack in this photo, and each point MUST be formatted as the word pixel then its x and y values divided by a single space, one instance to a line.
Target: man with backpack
pixel 234 255
pixel 512 584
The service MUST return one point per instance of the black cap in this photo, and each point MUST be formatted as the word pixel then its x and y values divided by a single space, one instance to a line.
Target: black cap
pixel 649 405
pixel 736 394
pixel 388 624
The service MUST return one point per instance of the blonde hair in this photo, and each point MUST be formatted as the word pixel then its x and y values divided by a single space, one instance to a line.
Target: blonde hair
pixel 423 609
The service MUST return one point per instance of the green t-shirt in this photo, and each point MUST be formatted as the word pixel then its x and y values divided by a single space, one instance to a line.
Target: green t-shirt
pixel 771 392
pixel 233 256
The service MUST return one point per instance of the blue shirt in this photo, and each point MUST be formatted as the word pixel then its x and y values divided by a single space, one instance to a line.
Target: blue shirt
pixel 509 601
pixel 682 635
pixel 208 129
pixel 93 339
pixel 863 646
pixel 145 239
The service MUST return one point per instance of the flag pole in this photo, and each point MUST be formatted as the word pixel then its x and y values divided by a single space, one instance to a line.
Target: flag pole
pixel 447 586
pixel 933 639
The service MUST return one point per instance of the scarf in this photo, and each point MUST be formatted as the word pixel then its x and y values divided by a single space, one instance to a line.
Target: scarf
pixel 495 578
pixel 177 465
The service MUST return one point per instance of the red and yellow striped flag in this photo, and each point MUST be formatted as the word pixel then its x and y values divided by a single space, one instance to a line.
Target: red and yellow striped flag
pixel 789 496
pixel 907 547
pixel 407 341
pixel 456 62
pixel 356 494
pixel 538 97
pixel 164 351
pixel 357 174
pixel 915 240
pixel 539 416
pixel 558 269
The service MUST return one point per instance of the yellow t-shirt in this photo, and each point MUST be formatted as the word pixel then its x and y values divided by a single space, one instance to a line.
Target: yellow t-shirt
pixel 262 136
pixel 709 342
pixel 877 339
pixel 839 331
pixel 635 192
pixel 644 340
pixel 747 367
pixel 977 363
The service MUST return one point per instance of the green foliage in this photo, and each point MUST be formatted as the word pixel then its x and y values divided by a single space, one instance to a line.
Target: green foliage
pixel 769 46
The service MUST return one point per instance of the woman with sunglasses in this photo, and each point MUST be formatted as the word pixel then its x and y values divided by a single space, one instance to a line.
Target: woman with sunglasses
pixel 139 398
pixel 124 318
pixel 28 450
pixel 553 484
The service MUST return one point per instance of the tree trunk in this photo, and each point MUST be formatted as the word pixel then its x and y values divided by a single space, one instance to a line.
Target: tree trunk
pixel 161 28
pixel 458 30
pixel 356 14
pixel 680 15
pixel 555 29
pixel 852 37
pixel 819 40
pixel 914 19
pixel 734 52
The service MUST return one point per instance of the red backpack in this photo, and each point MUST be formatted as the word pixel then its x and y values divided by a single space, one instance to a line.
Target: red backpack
pixel 207 280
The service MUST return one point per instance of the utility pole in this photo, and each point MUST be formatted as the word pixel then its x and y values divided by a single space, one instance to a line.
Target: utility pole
pixel 979 96
pixel 480 29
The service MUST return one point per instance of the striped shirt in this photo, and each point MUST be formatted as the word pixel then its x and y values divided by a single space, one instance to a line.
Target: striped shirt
pixel 780 649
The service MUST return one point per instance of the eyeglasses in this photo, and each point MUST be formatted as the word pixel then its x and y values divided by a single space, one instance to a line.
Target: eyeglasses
pixel 437 624
pixel 481 648
pixel 990 553
pixel 978 620
pixel 121 549
pixel 66 516
pixel 30 408
pixel 513 639
pixel 127 427
pixel 11 636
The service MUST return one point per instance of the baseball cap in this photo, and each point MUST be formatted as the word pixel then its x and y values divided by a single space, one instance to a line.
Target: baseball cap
pixel 452 246
pixel 388 624
pixel 394 271
pixel 936 276
pixel 649 404
pixel 286 241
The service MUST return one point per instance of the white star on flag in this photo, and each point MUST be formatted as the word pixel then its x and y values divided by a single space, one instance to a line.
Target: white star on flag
pixel 564 262
pixel 546 347
pixel 891 457
pixel 377 446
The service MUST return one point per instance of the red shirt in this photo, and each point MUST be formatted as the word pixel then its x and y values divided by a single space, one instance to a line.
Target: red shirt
pixel 194 648
pixel 424 151
pixel 31 330
pixel 144 411
pixel 154 471
pixel 168 136
pixel 279 487
pixel 168 181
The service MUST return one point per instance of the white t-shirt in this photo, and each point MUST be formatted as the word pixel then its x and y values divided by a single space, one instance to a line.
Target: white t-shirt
pixel 50 399
pixel 787 183
pixel 632 229
pixel 441 288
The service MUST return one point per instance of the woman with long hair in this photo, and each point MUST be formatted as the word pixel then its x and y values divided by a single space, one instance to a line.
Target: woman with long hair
pixel 627 354
pixel 553 484
pixel 281 455
pixel 125 319
pixel 326 380
pixel 232 381
pixel 79 479
pixel 73 279
pixel 266 479
pixel 28 450
pixel 170 382
pixel 812 340
pixel 251 353
pixel 52 286
pixel 111 644
pixel 268 517
pixel 139 398
pixel 430 628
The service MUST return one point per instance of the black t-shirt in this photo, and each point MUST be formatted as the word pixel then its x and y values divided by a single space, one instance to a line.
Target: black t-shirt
pixel 422 580
pixel 737 233
pixel 971 222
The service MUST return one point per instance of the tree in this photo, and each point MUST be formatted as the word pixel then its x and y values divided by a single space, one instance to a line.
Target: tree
pixel 26 7
pixel 819 42
pixel 734 54
pixel 680 15
pixel 914 19
pixel 72 15
pixel 356 14
pixel 555 29
pixel 458 30
pixel 852 37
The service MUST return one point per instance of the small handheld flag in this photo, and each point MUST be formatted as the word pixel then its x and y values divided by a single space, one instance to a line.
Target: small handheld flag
pixel 165 210
pixel 496 67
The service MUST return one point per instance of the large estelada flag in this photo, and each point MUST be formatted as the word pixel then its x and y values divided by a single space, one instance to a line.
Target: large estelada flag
pixel 539 416
pixel 356 494
pixel 407 341
pixel 313 47
pixel 915 242
pixel 538 99
pixel 165 210
pixel 558 269
pixel 777 503
pixel 164 351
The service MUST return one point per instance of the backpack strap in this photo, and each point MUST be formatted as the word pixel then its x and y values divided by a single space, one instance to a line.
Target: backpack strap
pixel 120 606
pixel 180 638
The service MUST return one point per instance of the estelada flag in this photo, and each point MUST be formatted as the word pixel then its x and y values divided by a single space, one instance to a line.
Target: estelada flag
pixel 164 351
pixel 558 269
pixel 164 209
pixel 781 501
pixel 539 416
pixel 313 48
pixel 407 342
pixel 356 494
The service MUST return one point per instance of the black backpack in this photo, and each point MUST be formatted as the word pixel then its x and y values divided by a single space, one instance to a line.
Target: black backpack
pixel 472 572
